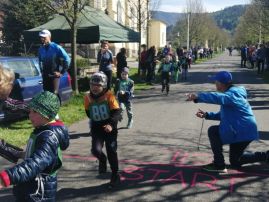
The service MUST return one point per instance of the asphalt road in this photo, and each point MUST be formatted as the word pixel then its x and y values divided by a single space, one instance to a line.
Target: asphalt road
pixel 159 159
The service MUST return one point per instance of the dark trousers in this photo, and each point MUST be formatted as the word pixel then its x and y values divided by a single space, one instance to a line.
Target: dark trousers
pixel 165 81
pixel 110 141
pixel 48 85
pixel 109 78
pixel 236 149
pixel 260 66
pixel 253 157
pixel 243 61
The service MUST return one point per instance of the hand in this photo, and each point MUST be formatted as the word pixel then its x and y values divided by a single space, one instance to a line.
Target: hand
pixel 57 74
pixel 191 96
pixel 122 92
pixel 200 113
pixel 107 128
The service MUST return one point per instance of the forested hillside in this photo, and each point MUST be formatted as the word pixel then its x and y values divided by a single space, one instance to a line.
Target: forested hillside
pixel 227 18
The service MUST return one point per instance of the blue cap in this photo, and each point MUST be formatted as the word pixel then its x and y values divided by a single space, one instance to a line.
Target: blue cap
pixel 223 77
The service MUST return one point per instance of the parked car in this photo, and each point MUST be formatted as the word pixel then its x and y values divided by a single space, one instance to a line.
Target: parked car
pixel 28 82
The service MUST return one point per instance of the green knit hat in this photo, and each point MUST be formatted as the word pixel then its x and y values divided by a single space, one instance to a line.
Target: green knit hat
pixel 45 103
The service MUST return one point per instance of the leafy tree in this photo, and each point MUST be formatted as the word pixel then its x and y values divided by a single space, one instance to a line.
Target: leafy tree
pixel 70 9
pixel 141 15
pixel 202 27
pixel 20 15
pixel 253 26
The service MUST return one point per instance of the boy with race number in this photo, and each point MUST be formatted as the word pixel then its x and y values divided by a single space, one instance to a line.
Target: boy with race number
pixel 104 113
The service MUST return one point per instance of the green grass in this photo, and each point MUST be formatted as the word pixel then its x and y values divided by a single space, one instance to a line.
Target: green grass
pixel 136 78
pixel 18 132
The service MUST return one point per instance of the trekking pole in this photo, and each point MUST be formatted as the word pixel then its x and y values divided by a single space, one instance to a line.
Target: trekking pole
pixel 198 144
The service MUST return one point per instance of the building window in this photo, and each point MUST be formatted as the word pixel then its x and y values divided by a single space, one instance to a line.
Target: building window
pixel 119 12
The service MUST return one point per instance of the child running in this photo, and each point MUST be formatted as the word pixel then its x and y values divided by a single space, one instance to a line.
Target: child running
pixel 104 112
pixel 124 90
pixel 166 69
pixel 35 179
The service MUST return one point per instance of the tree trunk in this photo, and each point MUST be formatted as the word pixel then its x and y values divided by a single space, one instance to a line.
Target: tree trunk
pixel 74 58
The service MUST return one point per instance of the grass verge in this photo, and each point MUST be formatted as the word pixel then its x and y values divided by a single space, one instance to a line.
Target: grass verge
pixel 17 133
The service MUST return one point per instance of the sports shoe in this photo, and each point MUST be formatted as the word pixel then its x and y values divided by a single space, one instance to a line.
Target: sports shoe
pixel 114 180
pixel 102 166
pixel 214 168
pixel 130 124
pixel 267 156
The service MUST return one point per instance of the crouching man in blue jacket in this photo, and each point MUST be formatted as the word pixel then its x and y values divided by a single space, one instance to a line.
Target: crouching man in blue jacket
pixel 237 125
pixel 35 179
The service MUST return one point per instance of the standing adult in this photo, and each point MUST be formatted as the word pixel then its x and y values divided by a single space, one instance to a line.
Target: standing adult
pixel 267 55
pixel 260 58
pixel 143 58
pixel 54 62
pixel 244 52
pixel 237 126
pixel 105 60
pixel 151 52
pixel 121 62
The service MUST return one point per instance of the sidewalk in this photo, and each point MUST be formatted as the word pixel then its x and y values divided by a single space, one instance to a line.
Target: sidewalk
pixel 159 160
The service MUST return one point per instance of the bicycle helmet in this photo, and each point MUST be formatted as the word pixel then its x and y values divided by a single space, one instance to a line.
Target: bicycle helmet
pixel 99 78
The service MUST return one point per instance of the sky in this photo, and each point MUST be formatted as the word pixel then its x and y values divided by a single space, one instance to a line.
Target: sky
pixel 178 6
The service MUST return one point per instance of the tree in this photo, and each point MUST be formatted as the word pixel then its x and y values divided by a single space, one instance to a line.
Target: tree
pixel 253 26
pixel 70 9
pixel 20 15
pixel 141 15
pixel 202 27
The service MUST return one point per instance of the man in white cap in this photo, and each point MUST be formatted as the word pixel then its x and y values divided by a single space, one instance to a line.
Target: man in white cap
pixel 54 61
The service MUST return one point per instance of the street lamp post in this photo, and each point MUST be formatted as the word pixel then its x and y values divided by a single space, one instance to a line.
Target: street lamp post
pixel 188 31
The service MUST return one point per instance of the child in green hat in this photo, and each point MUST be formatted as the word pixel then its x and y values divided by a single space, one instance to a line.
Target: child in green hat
pixel 35 179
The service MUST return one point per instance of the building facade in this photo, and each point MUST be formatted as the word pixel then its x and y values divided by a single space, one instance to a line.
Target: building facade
pixel 126 12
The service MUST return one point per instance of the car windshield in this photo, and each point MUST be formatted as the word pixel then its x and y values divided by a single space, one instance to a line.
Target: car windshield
pixel 24 68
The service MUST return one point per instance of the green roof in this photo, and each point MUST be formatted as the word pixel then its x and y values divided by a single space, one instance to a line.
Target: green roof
pixel 93 26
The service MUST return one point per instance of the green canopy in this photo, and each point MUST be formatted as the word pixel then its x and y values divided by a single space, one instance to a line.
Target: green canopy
pixel 93 26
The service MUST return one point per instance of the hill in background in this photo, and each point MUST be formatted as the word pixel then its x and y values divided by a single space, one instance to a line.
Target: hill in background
pixel 227 18
pixel 167 17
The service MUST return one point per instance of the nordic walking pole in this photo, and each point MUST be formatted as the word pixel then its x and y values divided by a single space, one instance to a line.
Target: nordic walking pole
pixel 198 144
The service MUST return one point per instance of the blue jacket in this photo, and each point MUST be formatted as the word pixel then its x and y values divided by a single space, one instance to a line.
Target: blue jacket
pixel 237 122
pixel 105 60
pixel 43 160
pixel 53 57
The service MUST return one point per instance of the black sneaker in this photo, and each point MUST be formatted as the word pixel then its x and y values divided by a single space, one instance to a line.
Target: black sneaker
pixel 214 168
pixel 267 156
pixel 114 181
pixel 102 166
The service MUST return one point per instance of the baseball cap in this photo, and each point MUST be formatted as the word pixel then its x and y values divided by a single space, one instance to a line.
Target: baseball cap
pixel 224 77
pixel 44 33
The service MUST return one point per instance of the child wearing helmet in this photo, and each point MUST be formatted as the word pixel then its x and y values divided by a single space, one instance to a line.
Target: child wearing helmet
pixel 104 113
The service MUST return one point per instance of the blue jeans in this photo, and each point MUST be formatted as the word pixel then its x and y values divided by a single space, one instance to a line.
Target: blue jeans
pixel 236 149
